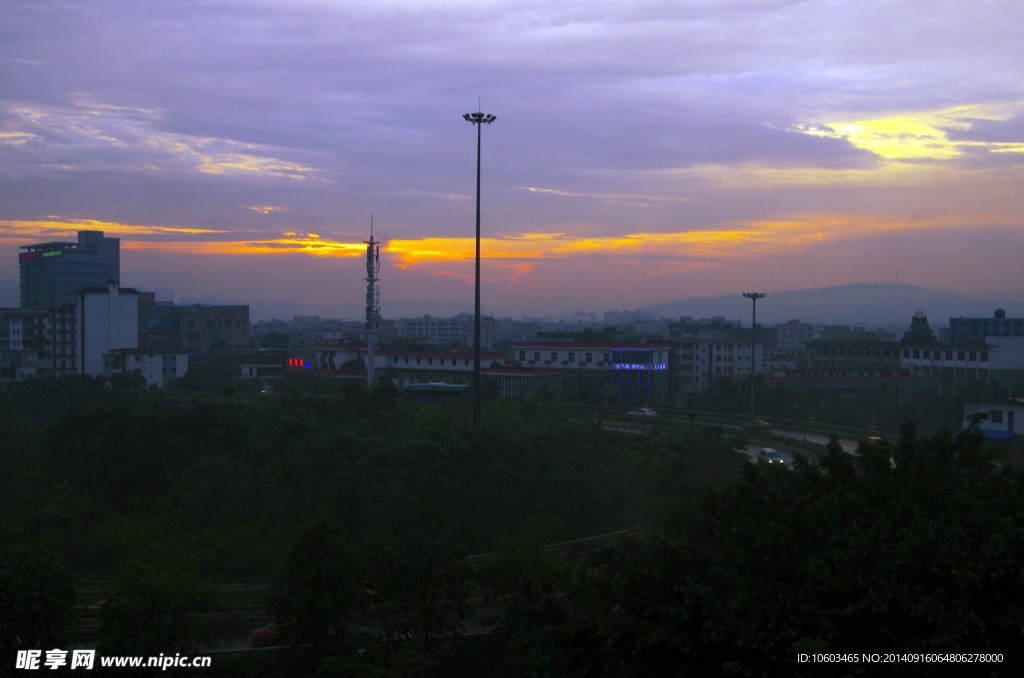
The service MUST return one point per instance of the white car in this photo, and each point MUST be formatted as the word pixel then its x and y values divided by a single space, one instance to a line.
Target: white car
pixel 642 412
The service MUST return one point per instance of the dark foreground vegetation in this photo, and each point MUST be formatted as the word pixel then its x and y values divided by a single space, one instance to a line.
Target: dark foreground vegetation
pixel 359 513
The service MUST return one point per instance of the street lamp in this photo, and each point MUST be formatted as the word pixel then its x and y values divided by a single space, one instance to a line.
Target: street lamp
pixel 753 296
pixel 478 119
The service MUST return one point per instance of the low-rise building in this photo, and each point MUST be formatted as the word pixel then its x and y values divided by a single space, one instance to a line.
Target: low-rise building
pixel 997 419
pixel 599 372
pixel 451 367
pixel 158 368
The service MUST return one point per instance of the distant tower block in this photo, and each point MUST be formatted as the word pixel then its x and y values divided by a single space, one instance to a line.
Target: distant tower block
pixel 372 302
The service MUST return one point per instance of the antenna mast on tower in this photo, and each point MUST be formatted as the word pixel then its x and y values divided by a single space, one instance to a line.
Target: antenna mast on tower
pixel 372 303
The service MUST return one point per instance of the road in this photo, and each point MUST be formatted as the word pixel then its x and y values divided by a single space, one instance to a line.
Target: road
pixel 849 445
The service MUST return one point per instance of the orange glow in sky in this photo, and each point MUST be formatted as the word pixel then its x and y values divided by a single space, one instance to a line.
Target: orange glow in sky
pixel 641 150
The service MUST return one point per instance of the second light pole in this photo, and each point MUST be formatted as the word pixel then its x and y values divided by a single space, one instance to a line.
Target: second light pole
pixel 753 296
pixel 478 119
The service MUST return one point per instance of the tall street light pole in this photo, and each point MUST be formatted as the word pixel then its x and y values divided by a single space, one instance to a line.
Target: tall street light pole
pixel 478 119
pixel 753 296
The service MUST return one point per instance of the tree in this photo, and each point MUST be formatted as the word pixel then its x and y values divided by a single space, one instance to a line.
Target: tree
pixel 319 594
pixel 527 582
pixel 37 598
pixel 915 547
pixel 418 593
pixel 152 608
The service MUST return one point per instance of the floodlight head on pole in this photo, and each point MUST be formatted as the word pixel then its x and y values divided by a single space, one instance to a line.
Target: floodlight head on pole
pixel 478 119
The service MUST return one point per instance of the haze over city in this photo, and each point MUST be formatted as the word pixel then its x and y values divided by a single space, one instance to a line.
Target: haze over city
pixel 643 152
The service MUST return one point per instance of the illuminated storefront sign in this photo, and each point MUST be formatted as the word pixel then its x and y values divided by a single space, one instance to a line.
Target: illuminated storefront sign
pixel 33 256
pixel 640 366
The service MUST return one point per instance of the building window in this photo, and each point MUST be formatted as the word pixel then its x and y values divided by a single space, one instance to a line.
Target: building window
pixel 996 416
pixel 588 358
pixel 572 357
pixel 522 356
pixel 554 356
pixel 536 356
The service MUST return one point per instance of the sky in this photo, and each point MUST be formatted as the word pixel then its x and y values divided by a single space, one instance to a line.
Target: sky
pixel 643 151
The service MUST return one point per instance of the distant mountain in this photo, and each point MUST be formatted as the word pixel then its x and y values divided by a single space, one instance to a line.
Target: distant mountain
pixel 861 304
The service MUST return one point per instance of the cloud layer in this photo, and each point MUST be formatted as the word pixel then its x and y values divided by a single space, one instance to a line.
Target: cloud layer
pixel 643 151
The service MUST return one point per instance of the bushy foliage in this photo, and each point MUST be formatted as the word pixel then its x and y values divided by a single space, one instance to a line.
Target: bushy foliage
pixel 37 597
pixel 367 507
pixel 154 606
pixel 917 547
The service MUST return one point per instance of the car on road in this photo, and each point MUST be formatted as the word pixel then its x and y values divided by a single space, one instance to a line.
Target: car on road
pixel 769 456
pixel 642 412
pixel 270 635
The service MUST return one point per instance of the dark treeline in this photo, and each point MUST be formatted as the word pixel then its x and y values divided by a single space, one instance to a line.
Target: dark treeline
pixel 104 478
pixel 359 512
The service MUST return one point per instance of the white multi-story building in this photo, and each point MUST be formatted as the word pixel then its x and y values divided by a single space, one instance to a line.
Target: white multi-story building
pixel 411 367
pixel 630 373
pixel 108 319
pixel 793 334
pixel 999 358
pixel 956 361
pixel 26 349
pixel 703 361
pixel 71 338
pixel 454 331
pixel 158 368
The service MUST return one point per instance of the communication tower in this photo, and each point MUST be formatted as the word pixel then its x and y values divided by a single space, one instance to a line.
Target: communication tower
pixel 372 302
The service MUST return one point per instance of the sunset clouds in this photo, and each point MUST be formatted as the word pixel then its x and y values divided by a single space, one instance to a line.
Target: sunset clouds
pixel 643 151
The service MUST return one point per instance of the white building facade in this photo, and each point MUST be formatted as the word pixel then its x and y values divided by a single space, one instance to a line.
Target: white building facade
pixel 703 361
pixel 997 420
pixel 158 368
pixel 108 319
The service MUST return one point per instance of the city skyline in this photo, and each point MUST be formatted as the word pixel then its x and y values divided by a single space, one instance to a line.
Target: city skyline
pixel 642 153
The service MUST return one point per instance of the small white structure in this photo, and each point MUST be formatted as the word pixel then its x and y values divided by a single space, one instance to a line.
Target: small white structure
pixel 998 420
pixel 158 368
